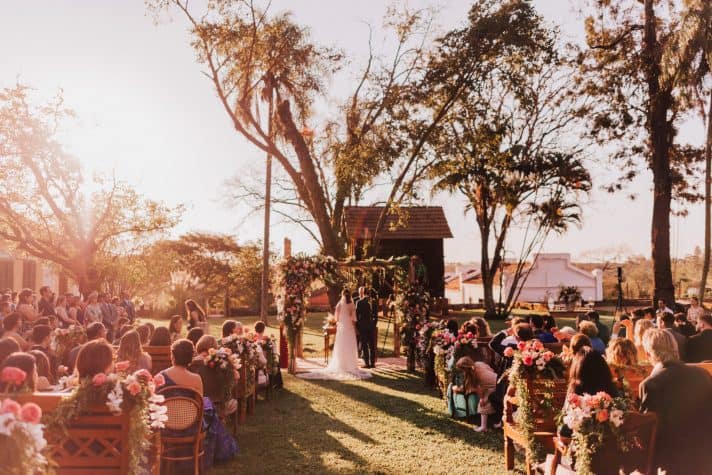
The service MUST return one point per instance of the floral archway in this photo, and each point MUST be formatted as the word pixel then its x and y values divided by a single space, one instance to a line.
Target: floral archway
pixel 297 273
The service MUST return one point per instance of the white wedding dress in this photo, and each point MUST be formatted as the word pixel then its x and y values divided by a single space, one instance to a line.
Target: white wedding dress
pixel 344 359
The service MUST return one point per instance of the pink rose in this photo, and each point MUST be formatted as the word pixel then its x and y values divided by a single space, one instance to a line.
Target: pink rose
pixel 159 380
pixel 31 413
pixel 602 415
pixel 509 352
pixel 548 355
pixel 10 407
pixel 99 379
pixel 122 365
pixel 604 396
pixel 12 375
pixel 134 388
pixel 521 345
pixel 538 345
pixel 469 335
pixel 574 399
pixel 144 375
pixel 528 360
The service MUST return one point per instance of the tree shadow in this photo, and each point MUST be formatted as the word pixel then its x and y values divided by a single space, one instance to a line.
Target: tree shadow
pixel 303 437
pixel 405 408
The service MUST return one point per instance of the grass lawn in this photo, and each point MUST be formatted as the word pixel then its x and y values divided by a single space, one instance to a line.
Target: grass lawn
pixel 391 424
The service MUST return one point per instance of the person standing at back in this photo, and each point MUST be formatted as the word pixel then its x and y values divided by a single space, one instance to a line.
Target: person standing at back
pixel 45 306
pixel 699 346
pixel 364 324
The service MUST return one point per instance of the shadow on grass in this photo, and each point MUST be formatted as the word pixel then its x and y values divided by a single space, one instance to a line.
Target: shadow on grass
pixel 405 408
pixel 289 426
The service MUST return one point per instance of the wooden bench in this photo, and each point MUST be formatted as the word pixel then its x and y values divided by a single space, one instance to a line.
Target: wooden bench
pixel 160 357
pixel 706 366
pixel 544 421
pixel 96 443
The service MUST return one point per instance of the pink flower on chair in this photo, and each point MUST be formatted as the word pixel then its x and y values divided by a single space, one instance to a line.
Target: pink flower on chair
pixel 31 413
pixel 99 379
pixel 12 375
pixel 159 380
pixel 10 407
pixel 134 388
pixel 122 366
pixel 509 352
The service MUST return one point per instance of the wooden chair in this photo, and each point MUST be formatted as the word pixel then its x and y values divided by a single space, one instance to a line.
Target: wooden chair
pixel 160 357
pixel 639 429
pixel 544 421
pixel 243 397
pixel 185 415
pixel 95 442
pixel 632 376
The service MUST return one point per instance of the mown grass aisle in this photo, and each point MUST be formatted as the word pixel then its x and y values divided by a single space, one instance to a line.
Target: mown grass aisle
pixel 391 424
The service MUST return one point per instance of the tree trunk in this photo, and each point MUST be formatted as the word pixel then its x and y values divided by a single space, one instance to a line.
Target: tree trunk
pixel 264 288
pixel 660 136
pixel 708 206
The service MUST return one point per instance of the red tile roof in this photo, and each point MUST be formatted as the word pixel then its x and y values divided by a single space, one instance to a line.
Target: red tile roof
pixel 417 222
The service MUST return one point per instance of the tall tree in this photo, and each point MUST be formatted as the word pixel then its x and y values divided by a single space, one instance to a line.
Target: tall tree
pixel 639 108
pixel 45 208
pixel 504 148
pixel 382 127
pixel 688 59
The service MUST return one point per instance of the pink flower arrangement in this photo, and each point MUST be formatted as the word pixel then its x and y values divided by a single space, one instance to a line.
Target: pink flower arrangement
pixel 10 407
pixel 159 380
pixel 12 375
pixel 31 413
pixel 99 379
pixel 122 366
pixel 134 387
pixel 509 352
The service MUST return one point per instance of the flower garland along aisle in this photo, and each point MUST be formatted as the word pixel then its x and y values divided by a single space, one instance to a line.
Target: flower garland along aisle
pixel 245 355
pixel 119 392
pixel 64 339
pixel 436 340
pixel 297 275
pixel 413 307
pixel 533 374
pixel 269 349
pixel 22 439
pixel 593 420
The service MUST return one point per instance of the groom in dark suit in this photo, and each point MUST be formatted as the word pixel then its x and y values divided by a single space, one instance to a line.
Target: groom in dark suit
pixel 365 327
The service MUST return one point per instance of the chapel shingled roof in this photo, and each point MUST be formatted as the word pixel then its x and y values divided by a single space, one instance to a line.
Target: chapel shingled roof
pixel 418 222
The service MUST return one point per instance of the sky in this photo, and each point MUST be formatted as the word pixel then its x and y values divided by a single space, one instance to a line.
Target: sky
pixel 146 114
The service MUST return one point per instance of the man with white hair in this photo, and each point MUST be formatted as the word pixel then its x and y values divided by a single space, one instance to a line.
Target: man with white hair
pixel 679 395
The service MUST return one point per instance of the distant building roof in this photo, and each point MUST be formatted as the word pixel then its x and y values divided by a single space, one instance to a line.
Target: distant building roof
pixel 417 222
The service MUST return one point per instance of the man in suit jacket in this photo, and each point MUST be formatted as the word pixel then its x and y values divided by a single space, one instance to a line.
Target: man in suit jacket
pixel 667 323
pixel 699 347
pixel 679 395
pixel 366 328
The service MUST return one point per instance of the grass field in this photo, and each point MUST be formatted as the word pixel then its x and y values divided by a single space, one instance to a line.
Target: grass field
pixel 390 424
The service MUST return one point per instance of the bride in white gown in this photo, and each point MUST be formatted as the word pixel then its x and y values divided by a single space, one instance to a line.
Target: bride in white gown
pixel 344 359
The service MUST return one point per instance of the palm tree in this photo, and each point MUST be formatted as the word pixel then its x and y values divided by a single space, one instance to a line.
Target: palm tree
pixel 688 60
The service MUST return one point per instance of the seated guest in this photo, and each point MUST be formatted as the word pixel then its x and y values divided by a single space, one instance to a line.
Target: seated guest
pixel 476 382
pixel 506 337
pixel 483 328
pixel 95 357
pixel 26 309
pixel 95 331
pixel 588 374
pixel 60 310
pixel 694 312
pixel 537 324
pixel 144 333
pixel 228 328
pixel 620 326
pixel 238 329
pixel 194 335
pixel 469 327
pixel 683 326
pixel 679 395
pixel 452 327
pixel 699 347
pixel 589 329
pixel 11 326
pixel 622 353
pixel 565 334
pixel 26 363
pixel 175 327
pixel 7 347
pixel 40 340
pixel 123 329
pixel 641 326
pixel 45 380
pixel 603 331
pixel 130 350
pixel 667 322
pixel 578 341
pixel 260 329
pixel 622 357
pixel 220 445
pixel 151 328
pixel 161 337
pixel 211 385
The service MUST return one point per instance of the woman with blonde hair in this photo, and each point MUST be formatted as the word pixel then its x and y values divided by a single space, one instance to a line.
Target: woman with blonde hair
pixel 641 326
pixel 622 353
pixel 130 350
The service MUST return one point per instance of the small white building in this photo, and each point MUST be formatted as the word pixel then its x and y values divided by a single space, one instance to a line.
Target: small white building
pixel 549 273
